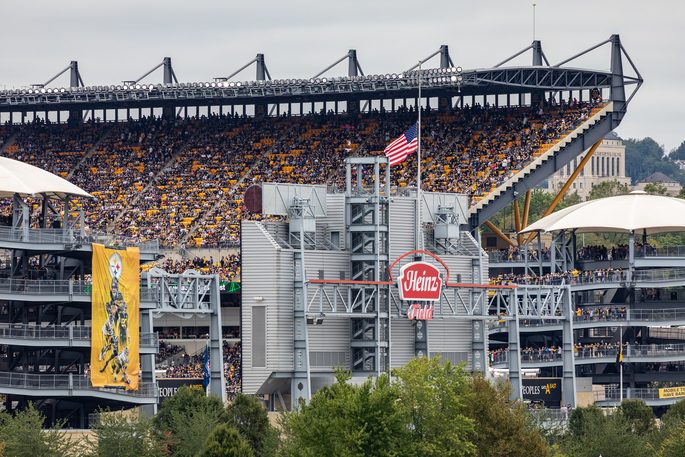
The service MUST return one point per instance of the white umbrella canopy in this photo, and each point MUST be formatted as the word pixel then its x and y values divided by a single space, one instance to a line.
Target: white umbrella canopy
pixel 24 179
pixel 636 212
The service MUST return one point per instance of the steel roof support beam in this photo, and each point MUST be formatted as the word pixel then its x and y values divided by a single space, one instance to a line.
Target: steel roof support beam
pixel 353 68
pixel 169 74
pixel 262 71
pixel 74 76
pixel 538 55
pixel 445 59
pixel 582 53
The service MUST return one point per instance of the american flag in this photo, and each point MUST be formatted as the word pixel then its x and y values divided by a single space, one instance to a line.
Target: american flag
pixel 407 143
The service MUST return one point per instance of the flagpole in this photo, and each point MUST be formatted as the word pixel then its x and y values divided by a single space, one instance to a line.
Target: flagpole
pixel 620 364
pixel 418 169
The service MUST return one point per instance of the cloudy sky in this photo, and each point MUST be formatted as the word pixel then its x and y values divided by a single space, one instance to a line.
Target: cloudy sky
pixel 122 39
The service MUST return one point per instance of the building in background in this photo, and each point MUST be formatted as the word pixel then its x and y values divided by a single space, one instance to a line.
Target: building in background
pixel 607 164
pixel 658 178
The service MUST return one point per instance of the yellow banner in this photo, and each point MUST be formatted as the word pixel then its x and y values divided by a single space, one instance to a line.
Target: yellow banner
pixel 672 392
pixel 115 340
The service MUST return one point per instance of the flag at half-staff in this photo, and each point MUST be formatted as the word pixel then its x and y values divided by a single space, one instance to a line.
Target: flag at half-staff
pixel 406 144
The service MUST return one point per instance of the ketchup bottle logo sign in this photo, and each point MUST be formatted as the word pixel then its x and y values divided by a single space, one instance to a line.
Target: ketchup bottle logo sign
pixel 419 281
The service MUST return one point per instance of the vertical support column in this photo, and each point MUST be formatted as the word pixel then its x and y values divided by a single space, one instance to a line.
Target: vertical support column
pixel 352 63
pixel 74 81
pixel 20 216
pixel 568 382
pixel 537 53
pixel 478 346
pixel 260 109
pixel 261 67
pixel 421 339
pixel 631 256
pixel 618 90
pixel 540 269
pixel 515 352
pixel 479 341
pixel 300 386
pixel 147 361
pixel 217 384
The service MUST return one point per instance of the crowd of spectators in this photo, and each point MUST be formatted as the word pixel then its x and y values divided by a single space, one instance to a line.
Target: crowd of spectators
pixel 189 366
pixel 182 180
pixel 167 350
pixel 568 277
pixel 227 267
pixel 518 254
pixel 554 352
pixel 601 313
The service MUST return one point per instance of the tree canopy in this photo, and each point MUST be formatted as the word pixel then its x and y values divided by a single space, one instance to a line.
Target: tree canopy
pixel 645 156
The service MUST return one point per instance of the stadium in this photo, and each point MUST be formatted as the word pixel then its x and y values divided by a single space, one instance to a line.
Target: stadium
pixel 272 230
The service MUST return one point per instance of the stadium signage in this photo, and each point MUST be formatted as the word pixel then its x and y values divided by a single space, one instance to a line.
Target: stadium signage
pixel 672 392
pixel 420 313
pixel 543 390
pixel 419 281
pixel 169 387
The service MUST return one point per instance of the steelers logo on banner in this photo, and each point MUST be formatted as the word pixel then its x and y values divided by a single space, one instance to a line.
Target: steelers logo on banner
pixel 115 265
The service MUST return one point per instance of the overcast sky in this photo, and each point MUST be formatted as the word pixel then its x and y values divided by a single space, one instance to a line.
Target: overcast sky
pixel 122 39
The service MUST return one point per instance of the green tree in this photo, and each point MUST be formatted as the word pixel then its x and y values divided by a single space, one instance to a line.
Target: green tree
pixel 23 436
pixel 117 435
pixel 186 420
pixel 607 189
pixel 674 444
pixel 655 188
pixel 675 415
pixel 678 153
pixel 638 415
pixel 225 441
pixel 347 420
pixel 645 156
pixel 503 428
pixel 250 419
pixel 592 434
pixel 584 420
pixel 433 395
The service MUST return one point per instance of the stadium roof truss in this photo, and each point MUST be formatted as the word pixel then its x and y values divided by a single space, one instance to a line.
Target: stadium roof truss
pixel 445 81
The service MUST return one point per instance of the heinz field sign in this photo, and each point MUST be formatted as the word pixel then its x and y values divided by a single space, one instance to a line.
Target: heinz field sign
pixel 419 281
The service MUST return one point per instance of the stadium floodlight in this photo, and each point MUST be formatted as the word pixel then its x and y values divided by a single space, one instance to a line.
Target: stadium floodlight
pixel 460 78
pixel 238 84
pixel 324 80
pixel 458 69
pixel 232 84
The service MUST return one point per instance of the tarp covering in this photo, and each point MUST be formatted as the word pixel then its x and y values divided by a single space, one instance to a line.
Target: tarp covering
pixel 636 212
pixel 24 179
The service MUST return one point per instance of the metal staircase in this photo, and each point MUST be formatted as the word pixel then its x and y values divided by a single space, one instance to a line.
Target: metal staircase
pixel 540 168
